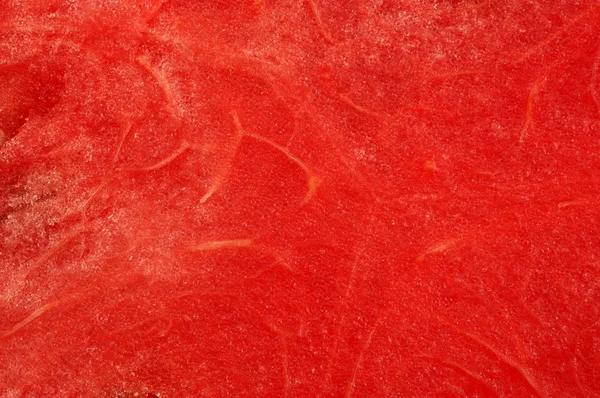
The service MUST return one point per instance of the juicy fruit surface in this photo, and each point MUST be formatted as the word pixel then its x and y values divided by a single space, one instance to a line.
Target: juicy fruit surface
pixel 299 198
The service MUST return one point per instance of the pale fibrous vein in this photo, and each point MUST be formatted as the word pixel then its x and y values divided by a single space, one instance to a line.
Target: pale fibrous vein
pixel 562 30
pixel 359 252
pixel 319 20
pixel 439 248
pixel 313 180
pixel 459 368
pixel 163 84
pixel 93 195
pixel 359 108
pixel 122 141
pixel 221 244
pixel 182 148
pixel 360 359
pixel 53 250
pixel 226 169
pixel 504 358
pixel 119 171
pixel 284 359
pixel 37 313
pixel 529 110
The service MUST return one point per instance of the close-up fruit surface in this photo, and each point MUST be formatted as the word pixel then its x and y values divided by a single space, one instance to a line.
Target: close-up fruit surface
pixel 299 198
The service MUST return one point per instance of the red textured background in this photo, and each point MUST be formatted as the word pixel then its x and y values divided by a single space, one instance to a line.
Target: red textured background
pixel 299 198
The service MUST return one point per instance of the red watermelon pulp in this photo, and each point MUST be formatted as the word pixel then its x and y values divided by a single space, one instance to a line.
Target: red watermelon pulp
pixel 299 198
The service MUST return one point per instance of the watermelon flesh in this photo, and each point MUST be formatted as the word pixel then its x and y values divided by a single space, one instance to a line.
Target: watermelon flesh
pixel 279 198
